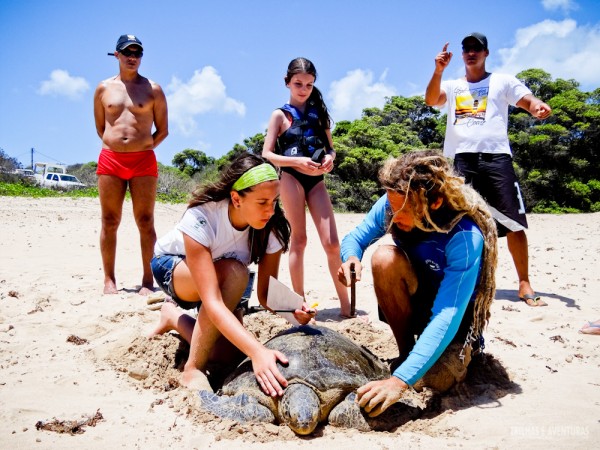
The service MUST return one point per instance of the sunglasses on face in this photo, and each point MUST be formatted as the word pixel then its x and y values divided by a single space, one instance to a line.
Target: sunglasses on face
pixel 472 48
pixel 135 53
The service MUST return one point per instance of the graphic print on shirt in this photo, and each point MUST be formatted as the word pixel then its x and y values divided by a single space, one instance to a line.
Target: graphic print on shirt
pixel 471 105
pixel 200 223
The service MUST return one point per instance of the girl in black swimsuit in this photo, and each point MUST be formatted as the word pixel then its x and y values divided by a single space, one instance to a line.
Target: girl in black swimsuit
pixel 290 145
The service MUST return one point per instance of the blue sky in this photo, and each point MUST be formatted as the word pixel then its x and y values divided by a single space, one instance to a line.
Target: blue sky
pixel 221 63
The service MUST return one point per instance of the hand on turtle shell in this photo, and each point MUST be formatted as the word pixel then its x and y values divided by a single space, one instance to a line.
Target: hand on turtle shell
pixel 267 374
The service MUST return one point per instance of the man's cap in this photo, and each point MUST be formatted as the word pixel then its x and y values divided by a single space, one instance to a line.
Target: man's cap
pixel 479 37
pixel 126 40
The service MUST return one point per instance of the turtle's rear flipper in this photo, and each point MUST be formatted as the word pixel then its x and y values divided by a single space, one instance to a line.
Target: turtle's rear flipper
pixel 241 408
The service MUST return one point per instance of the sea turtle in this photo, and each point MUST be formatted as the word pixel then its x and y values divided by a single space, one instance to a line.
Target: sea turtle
pixel 324 371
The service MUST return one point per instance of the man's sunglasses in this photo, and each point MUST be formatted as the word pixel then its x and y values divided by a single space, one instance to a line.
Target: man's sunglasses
pixel 472 48
pixel 135 53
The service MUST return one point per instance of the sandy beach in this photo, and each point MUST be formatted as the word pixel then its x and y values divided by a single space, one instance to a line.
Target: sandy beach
pixel 70 353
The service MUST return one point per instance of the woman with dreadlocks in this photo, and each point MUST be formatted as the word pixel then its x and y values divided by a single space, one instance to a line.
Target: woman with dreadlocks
pixel 436 282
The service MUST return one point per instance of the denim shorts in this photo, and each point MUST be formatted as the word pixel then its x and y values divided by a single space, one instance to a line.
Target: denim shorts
pixel 163 267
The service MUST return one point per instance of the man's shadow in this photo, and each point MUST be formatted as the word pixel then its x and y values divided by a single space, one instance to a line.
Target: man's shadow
pixel 513 296
pixel 486 383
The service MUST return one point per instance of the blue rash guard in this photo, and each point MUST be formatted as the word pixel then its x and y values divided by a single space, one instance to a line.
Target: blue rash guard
pixel 450 262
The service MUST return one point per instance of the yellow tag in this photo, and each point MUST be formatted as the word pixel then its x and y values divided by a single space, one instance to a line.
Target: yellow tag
pixel 314 305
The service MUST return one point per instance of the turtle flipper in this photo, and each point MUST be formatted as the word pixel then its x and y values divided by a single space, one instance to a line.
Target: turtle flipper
pixel 241 408
pixel 347 414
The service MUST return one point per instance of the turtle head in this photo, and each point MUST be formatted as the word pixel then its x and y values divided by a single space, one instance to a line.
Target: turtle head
pixel 300 408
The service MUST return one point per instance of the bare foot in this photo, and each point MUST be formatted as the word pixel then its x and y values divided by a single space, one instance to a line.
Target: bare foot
pixel 345 312
pixel 591 328
pixel 195 380
pixel 110 287
pixel 345 308
pixel 168 314
pixel 146 289
pixel 364 318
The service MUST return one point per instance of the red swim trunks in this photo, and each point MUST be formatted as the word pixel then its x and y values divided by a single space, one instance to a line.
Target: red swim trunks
pixel 127 165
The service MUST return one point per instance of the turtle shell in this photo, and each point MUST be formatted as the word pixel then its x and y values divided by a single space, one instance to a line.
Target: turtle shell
pixel 318 357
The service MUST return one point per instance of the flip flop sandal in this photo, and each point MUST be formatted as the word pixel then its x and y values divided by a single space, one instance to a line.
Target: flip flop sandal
pixel 533 300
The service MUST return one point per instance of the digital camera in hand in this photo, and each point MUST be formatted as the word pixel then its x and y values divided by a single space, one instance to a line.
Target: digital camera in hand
pixel 318 155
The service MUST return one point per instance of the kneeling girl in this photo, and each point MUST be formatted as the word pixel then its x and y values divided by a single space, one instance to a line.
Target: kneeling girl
pixel 203 260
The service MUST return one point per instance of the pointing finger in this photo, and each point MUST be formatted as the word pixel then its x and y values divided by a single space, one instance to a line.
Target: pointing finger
pixel 445 49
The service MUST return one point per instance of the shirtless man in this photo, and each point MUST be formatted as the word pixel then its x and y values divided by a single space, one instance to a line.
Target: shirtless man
pixel 126 107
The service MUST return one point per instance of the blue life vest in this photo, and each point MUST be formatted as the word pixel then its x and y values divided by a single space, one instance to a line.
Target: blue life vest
pixel 304 136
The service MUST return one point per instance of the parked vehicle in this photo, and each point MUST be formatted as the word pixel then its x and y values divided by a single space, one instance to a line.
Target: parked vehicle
pixel 61 180
pixel 55 176
pixel 26 173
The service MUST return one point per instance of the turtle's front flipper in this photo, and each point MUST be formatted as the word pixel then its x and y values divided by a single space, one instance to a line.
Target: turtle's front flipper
pixel 241 408
pixel 347 414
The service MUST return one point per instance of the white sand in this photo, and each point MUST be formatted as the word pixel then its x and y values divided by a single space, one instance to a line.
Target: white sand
pixel 51 288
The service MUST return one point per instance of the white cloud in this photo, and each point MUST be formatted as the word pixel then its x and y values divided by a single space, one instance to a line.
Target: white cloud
pixel 563 49
pixel 204 92
pixel 63 84
pixel 565 5
pixel 356 91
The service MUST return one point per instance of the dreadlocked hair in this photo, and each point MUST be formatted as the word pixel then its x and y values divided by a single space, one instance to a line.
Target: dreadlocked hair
pixel 425 176
pixel 221 190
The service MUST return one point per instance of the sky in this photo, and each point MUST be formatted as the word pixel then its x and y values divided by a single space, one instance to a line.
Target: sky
pixel 221 63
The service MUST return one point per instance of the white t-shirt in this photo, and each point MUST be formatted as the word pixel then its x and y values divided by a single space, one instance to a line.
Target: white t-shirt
pixel 478 113
pixel 209 225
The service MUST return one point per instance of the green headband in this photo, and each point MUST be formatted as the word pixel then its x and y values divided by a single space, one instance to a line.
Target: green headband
pixel 256 175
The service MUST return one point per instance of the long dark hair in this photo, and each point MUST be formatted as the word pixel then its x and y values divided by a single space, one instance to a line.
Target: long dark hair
pixel 221 189
pixel 303 65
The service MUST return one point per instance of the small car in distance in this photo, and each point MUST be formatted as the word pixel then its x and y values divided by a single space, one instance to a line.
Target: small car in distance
pixel 61 180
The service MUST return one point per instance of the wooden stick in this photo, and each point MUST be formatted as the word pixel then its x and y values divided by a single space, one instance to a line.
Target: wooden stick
pixel 352 290
pixel 260 308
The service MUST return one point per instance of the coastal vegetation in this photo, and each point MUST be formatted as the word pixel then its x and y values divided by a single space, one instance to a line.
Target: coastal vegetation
pixel 556 160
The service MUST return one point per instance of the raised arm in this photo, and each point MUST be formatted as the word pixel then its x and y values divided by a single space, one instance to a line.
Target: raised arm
pixel 534 106
pixel 434 96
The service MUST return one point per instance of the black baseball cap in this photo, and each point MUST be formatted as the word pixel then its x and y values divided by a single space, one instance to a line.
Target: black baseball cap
pixel 126 40
pixel 479 37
